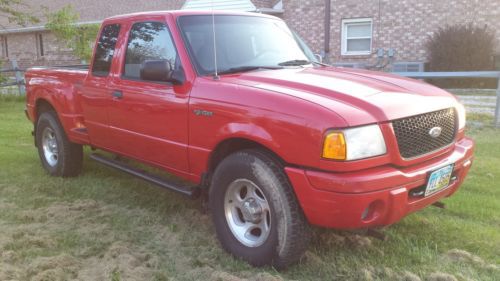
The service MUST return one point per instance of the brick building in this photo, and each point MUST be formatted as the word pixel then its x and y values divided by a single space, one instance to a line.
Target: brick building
pixel 353 32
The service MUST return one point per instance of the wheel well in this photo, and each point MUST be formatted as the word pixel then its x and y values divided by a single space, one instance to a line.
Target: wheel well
pixel 229 146
pixel 42 106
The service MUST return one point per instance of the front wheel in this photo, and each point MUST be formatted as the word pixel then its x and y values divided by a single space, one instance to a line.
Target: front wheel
pixel 59 156
pixel 255 212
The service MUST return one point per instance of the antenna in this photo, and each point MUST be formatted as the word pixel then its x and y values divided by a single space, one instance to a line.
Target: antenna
pixel 216 74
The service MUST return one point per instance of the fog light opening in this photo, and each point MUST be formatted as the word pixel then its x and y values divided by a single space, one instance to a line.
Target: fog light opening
pixel 365 213
pixel 372 211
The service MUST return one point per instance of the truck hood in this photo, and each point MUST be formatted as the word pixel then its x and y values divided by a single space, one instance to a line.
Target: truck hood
pixel 358 96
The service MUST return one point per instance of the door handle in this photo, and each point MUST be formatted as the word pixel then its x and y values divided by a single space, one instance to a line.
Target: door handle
pixel 117 95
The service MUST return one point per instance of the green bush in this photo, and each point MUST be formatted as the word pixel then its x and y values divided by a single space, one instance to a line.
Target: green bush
pixel 463 47
pixel 3 79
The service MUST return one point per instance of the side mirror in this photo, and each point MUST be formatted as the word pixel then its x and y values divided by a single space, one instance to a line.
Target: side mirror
pixel 160 70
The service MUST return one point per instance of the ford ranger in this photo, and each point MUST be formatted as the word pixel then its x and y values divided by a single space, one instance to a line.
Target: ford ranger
pixel 236 105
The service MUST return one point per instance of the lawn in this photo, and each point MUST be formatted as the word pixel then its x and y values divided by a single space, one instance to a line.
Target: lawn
pixel 105 225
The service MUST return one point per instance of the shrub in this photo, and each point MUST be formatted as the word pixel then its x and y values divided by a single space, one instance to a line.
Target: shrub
pixel 463 47
pixel 2 74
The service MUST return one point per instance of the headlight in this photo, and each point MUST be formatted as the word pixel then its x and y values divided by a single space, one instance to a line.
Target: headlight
pixel 461 116
pixel 354 144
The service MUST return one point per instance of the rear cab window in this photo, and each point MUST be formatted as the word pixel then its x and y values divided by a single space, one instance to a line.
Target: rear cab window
pixel 105 49
pixel 148 41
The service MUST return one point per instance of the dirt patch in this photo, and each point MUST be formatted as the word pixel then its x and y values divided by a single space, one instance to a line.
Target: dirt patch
pixel 264 276
pixel 10 272
pixel 9 257
pixel 384 273
pixel 123 260
pixel 35 241
pixel 224 276
pixel 312 258
pixel 409 276
pixel 56 274
pixel 62 267
pixel 462 256
pixel 36 232
pixel 32 216
pixel 207 273
pixel 334 239
pixel 441 276
pixel 359 241
pixel 5 240
pixel 106 254
pixel 365 274
pixel 45 263
pixel 331 239
pixel 74 209
pixel 4 205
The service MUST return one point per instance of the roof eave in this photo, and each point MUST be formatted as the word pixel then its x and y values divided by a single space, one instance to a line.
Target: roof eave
pixel 38 28
pixel 270 11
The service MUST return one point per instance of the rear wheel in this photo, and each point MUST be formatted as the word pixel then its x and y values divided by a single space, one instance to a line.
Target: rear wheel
pixel 255 212
pixel 58 155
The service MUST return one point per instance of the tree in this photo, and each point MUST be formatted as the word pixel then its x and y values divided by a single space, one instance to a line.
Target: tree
pixel 462 47
pixel 79 38
pixel 16 11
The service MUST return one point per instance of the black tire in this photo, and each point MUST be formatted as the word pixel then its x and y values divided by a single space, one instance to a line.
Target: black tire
pixel 289 232
pixel 68 158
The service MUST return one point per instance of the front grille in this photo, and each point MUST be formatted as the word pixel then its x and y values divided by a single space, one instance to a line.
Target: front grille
pixel 413 135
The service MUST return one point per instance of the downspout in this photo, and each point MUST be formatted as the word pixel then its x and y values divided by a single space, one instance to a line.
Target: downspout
pixel 326 48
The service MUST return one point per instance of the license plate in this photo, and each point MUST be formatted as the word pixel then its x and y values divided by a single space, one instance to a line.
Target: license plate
pixel 439 179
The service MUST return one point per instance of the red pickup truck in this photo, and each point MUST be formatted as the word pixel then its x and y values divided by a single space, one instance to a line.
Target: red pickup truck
pixel 236 105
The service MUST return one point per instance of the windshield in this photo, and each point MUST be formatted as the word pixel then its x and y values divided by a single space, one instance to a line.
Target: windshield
pixel 242 42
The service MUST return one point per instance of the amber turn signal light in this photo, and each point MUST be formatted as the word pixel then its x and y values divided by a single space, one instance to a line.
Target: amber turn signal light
pixel 335 146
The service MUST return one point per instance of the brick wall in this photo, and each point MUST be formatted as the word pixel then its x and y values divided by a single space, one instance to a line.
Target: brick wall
pixel 263 3
pixel 400 24
pixel 307 19
pixel 24 48
pixel 403 25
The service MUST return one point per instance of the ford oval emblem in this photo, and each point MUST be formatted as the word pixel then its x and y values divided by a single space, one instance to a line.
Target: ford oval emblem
pixel 435 132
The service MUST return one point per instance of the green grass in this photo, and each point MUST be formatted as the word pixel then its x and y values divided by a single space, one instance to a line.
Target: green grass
pixel 481 118
pixel 11 98
pixel 104 225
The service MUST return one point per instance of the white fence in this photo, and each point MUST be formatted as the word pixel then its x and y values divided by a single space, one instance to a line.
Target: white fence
pixel 467 74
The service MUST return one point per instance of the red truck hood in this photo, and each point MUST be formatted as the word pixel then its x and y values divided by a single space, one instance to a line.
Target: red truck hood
pixel 358 96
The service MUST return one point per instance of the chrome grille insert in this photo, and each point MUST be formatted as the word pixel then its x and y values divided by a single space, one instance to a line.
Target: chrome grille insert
pixel 421 134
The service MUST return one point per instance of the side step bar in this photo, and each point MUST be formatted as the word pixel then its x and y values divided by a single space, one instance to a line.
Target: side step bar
pixel 190 191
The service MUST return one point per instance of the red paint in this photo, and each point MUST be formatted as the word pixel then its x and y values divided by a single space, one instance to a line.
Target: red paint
pixel 338 200
pixel 287 111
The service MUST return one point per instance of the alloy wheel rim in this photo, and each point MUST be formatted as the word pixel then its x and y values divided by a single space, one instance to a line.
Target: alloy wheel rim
pixel 247 213
pixel 49 146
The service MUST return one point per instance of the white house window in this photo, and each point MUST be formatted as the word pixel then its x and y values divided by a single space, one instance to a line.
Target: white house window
pixel 356 36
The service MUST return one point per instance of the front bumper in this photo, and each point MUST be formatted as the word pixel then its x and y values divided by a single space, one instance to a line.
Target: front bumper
pixel 377 196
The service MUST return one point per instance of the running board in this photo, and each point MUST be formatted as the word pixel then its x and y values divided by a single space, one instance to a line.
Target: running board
pixel 190 191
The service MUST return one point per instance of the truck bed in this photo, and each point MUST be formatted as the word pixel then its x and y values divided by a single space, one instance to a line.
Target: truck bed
pixel 65 83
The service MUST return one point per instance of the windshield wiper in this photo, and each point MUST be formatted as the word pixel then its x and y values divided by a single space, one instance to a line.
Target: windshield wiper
pixel 300 63
pixel 294 63
pixel 246 69
pixel 320 63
